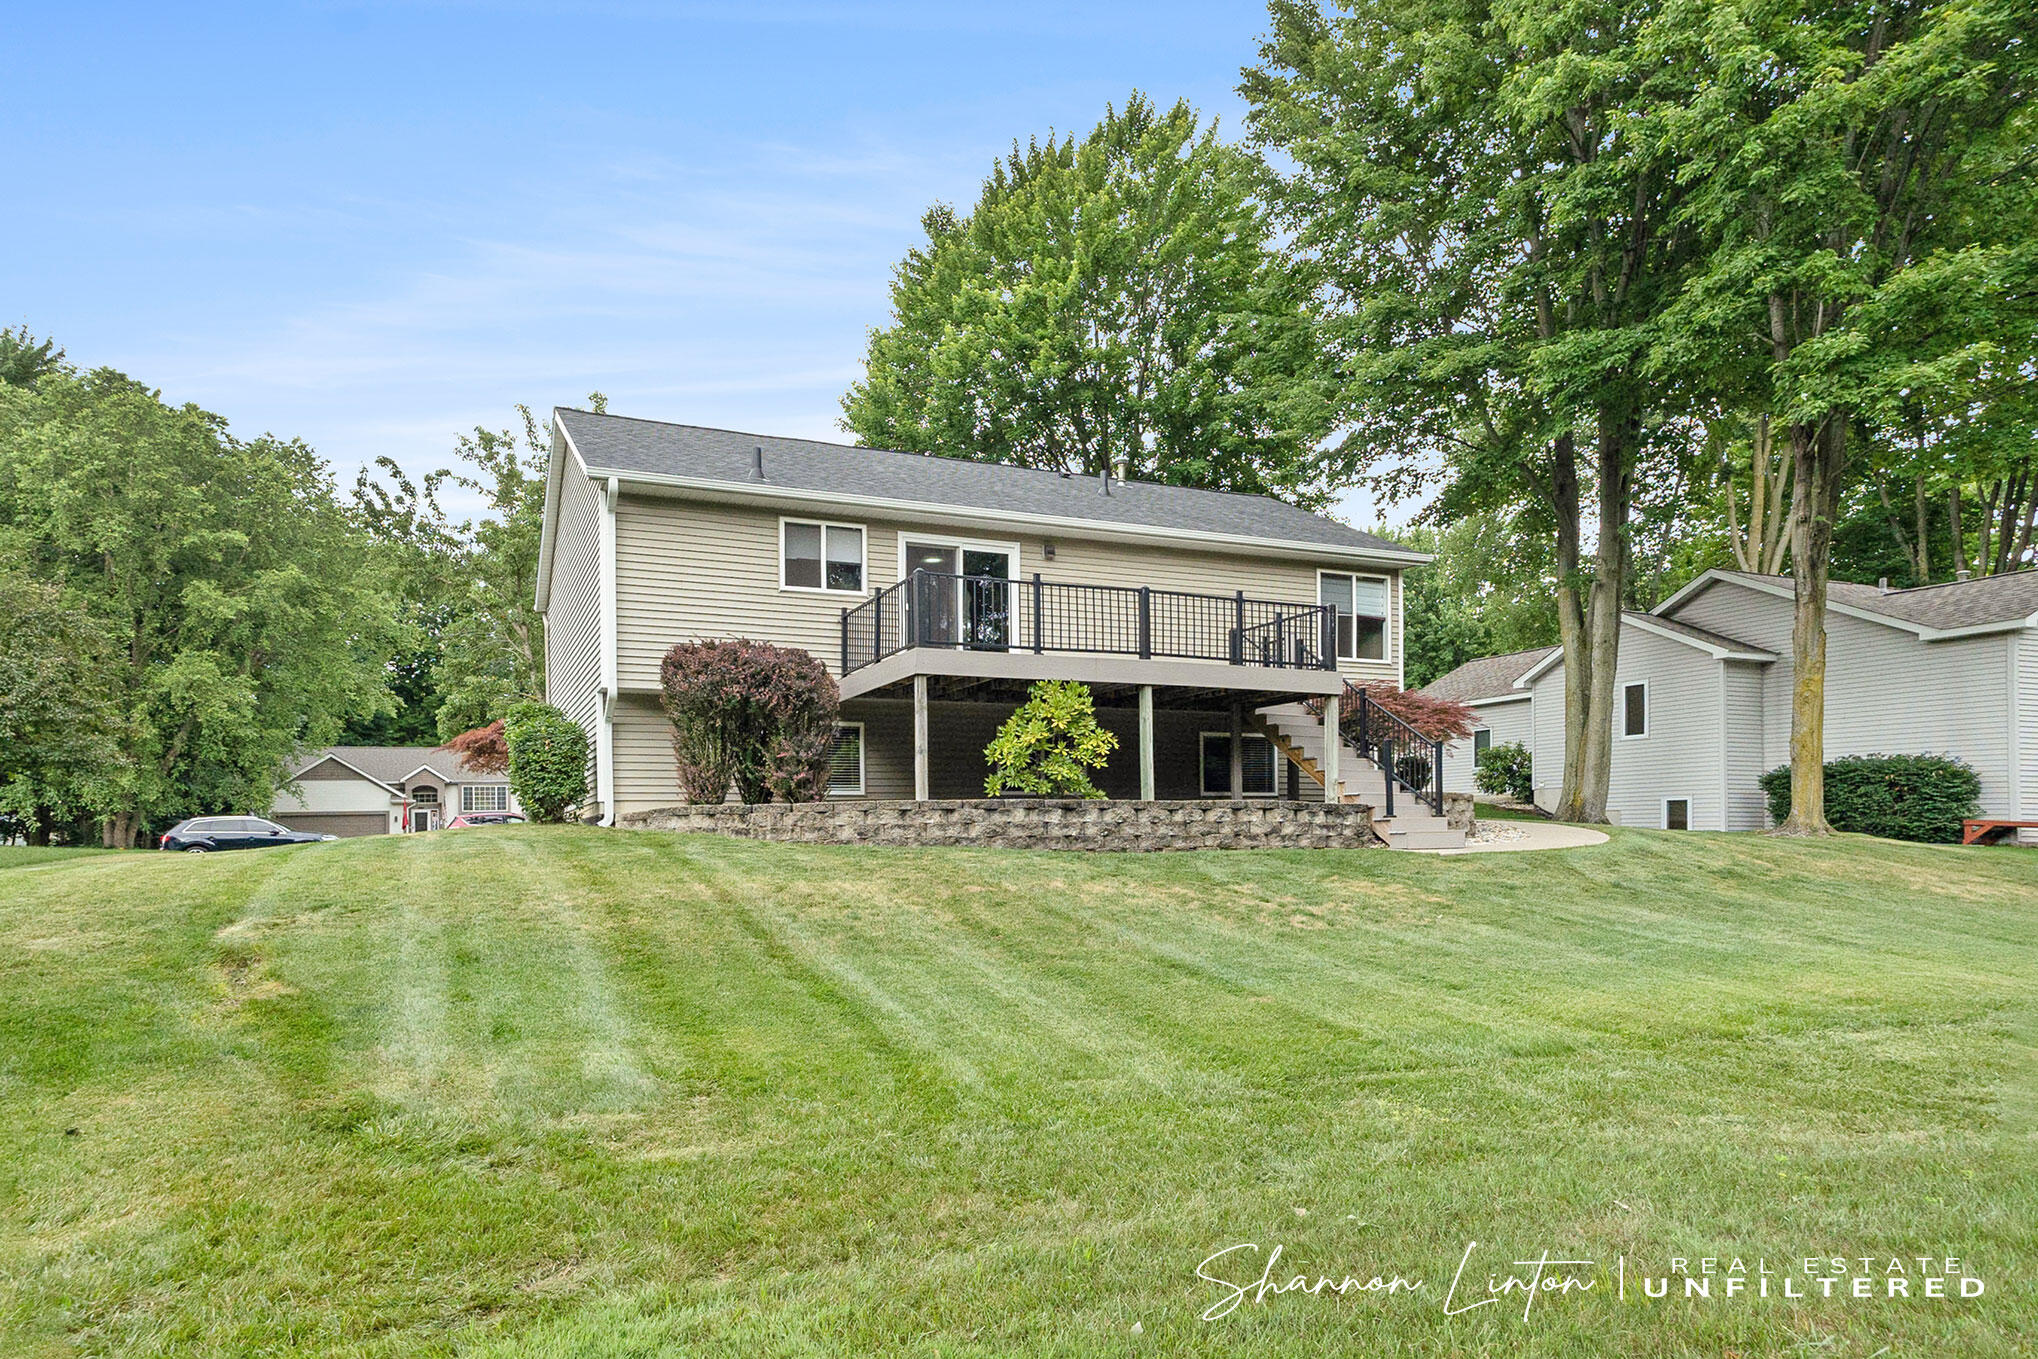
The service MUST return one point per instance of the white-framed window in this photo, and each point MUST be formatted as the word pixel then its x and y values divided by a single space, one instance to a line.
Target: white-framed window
pixel 1261 768
pixel 1482 741
pixel 1362 603
pixel 484 797
pixel 1676 813
pixel 1634 710
pixel 845 761
pixel 814 554
pixel 425 795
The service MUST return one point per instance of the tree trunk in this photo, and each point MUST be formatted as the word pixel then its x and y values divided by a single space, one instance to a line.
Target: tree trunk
pixel 1570 621
pixel 1619 433
pixel 1958 534
pixel 1819 455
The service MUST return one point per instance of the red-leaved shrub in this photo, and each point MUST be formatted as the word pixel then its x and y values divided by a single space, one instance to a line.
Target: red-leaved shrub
pixel 484 750
pixel 1438 719
pixel 756 715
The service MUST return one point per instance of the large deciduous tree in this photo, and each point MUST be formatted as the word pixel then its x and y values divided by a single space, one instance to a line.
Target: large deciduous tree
pixel 1496 221
pixel 1848 165
pixel 231 587
pixel 1123 301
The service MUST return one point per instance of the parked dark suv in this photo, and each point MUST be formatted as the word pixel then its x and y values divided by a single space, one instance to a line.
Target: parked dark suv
pixel 202 834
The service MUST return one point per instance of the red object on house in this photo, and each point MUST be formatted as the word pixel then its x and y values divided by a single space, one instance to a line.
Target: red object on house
pixel 1978 830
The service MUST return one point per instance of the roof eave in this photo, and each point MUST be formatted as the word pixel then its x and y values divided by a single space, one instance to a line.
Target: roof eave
pixel 744 493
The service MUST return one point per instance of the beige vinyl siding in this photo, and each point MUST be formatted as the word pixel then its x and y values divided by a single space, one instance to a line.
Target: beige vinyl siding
pixel 573 641
pixel 689 570
pixel 1887 691
pixel 1510 721
pixel 646 775
pixel 1742 716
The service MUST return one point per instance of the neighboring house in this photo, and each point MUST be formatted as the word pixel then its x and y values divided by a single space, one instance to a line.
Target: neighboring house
pixel 1500 712
pixel 380 790
pixel 936 590
pixel 1703 693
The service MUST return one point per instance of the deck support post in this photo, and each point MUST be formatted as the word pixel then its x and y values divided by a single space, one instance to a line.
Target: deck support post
pixel 1237 751
pixel 1333 745
pixel 919 738
pixel 1146 743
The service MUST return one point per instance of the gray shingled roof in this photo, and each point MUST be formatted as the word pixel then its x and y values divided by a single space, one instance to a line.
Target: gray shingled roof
pixel 1718 639
pixel 1487 677
pixel 2007 598
pixel 616 445
pixel 390 764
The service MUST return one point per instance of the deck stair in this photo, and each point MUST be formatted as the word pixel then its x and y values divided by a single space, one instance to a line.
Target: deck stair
pixel 1297 734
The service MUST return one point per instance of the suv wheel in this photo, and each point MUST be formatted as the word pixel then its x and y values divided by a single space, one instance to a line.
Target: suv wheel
pixel 196 849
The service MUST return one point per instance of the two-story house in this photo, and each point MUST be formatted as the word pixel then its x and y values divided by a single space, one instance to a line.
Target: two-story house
pixel 937 590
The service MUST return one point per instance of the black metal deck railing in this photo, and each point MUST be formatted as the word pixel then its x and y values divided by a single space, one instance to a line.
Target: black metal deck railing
pixel 983 613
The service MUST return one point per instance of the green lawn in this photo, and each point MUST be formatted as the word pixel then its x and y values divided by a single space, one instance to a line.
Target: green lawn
pixel 29 856
pixel 572 1092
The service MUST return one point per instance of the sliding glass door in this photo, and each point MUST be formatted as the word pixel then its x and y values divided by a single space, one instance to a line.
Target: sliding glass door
pixel 966 599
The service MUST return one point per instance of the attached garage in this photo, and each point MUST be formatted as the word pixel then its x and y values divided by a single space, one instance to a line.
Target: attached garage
pixel 343 824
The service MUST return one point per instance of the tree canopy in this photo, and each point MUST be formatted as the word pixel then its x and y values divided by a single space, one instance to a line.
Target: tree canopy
pixel 1123 301
pixel 225 580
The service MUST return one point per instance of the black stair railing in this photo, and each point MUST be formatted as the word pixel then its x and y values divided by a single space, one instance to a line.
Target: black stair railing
pixel 1402 752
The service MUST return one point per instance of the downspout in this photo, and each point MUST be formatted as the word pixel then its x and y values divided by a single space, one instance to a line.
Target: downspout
pixel 605 695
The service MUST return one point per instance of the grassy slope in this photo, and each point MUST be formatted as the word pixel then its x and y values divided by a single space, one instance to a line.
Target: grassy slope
pixel 561 1091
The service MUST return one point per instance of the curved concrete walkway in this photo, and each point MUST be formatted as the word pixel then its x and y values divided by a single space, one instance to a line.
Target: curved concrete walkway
pixel 1535 835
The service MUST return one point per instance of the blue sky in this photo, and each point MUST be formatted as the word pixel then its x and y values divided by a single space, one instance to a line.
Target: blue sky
pixel 372 226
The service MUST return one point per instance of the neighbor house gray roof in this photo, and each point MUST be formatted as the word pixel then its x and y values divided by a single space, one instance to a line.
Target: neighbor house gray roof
pixel 1700 635
pixel 617 446
pixel 1977 603
pixel 393 764
pixel 1487 677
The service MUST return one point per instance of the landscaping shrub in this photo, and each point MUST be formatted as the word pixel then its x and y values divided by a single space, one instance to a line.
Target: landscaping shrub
pixel 1899 797
pixel 1049 744
pixel 756 715
pixel 547 760
pixel 1507 771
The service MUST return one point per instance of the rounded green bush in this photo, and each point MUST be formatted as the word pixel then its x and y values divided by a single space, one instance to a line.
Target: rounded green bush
pixel 1899 797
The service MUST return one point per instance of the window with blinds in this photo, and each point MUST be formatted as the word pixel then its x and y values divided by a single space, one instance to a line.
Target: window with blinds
pixel 845 761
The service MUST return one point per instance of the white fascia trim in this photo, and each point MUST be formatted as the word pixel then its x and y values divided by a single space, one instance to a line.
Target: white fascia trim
pixel 998 519
pixel 1718 653
pixel 605 722
pixel 1491 699
pixel 1923 632
pixel 555 473
pixel 1556 657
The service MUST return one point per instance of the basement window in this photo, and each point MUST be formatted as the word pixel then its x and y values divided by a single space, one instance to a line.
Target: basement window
pixel 1259 765
pixel 845 761
pixel 1677 813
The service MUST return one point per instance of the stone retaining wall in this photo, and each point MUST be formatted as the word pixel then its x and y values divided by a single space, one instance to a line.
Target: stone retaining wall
pixel 1030 823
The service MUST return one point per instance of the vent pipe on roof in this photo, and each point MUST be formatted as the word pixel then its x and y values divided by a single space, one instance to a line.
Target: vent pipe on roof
pixel 1882 584
pixel 1962 574
pixel 1104 480
pixel 757 463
